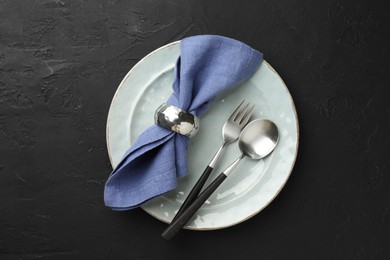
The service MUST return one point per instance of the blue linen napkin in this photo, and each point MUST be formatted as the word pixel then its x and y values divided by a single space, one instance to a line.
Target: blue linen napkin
pixel 208 65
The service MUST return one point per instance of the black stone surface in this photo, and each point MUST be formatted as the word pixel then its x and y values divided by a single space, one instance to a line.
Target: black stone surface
pixel 61 62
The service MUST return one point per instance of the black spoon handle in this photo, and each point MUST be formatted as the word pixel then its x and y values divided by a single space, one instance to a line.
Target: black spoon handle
pixel 179 223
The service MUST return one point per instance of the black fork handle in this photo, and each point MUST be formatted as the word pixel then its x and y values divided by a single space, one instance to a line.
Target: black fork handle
pixel 194 192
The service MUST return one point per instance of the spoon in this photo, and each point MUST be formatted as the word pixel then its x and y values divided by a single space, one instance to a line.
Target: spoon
pixel 257 140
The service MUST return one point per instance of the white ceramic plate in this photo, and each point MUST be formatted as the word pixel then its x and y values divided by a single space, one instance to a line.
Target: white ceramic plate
pixel 253 185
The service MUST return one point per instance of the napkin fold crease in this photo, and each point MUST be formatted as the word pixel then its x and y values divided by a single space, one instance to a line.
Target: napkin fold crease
pixel 207 66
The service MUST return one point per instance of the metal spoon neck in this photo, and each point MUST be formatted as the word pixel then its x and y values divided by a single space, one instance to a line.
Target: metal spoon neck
pixel 232 166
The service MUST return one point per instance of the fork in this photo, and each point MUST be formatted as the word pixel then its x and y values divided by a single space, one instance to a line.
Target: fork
pixel 230 133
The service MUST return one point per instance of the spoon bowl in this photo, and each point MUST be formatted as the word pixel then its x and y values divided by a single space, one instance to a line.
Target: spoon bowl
pixel 258 139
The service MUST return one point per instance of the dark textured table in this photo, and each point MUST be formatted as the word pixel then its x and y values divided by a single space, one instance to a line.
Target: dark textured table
pixel 61 62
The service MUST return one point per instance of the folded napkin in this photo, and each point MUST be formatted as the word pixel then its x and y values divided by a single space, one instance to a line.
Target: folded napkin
pixel 208 65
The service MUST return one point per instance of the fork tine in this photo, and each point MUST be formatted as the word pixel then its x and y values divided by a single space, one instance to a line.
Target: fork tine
pixel 236 111
pixel 241 113
pixel 247 116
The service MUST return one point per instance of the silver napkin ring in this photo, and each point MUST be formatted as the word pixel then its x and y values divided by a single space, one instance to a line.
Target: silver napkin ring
pixel 176 119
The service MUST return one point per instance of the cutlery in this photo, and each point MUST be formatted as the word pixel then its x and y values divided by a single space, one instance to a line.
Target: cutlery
pixel 230 133
pixel 257 140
